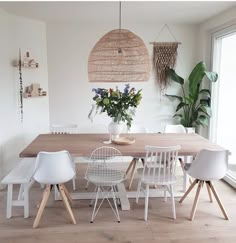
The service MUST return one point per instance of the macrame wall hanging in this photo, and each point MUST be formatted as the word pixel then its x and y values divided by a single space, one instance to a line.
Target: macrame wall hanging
pixel 164 57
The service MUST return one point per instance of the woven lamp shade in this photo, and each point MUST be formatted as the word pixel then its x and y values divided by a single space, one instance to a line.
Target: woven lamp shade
pixel 119 56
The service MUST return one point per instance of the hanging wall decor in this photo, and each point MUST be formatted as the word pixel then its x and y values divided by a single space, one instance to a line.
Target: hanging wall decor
pixel 21 86
pixel 164 57
pixel 119 56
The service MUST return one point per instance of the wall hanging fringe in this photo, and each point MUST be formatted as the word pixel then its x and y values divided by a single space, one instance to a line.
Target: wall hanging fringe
pixel 164 57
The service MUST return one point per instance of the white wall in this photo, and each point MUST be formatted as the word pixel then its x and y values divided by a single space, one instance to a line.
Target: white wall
pixel 17 32
pixel 71 94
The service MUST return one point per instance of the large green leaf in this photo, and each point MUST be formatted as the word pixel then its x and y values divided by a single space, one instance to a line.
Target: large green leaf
pixel 174 76
pixel 203 120
pixel 205 92
pixel 205 109
pixel 180 105
pixel 212 76
pixel 196 77
pixel 175 96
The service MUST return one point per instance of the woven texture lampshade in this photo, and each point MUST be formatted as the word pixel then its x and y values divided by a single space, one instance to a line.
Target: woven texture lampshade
pixel 119 56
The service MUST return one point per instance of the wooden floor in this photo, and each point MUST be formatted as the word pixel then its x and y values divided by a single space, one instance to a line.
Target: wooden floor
pixel 208 226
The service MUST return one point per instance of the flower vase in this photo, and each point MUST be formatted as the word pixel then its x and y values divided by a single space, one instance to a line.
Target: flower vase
pixel 114 129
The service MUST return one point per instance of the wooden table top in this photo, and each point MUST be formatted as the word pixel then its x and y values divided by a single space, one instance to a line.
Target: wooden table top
pixel 84 144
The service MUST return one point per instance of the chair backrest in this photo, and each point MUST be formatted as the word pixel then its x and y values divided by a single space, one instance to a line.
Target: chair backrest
pixel 63 128
pixel 54 167
pixel 175 129
pixel 209 165
pixel 136 128
pixel 106 163
pixel 160 163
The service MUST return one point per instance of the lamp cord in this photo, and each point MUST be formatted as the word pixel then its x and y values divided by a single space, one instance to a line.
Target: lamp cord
pixel 120 16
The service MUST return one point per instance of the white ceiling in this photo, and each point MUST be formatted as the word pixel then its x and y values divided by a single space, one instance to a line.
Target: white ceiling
pixel 146 12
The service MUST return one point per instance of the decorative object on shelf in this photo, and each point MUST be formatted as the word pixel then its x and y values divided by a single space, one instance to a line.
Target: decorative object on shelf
pixel 27 62
pixel 21 87
pixel 124 140
pixel 34 90
pixel 119 56
pixel 164 58
pixel 119 105
pixel 194 108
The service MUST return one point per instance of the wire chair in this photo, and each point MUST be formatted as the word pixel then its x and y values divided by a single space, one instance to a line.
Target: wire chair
pixel 105 172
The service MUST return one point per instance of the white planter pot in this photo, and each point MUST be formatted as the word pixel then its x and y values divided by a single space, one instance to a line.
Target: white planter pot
pixel 115 128
pixel 190 129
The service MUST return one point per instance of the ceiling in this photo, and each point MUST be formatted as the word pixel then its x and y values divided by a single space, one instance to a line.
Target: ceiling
pixel 139 12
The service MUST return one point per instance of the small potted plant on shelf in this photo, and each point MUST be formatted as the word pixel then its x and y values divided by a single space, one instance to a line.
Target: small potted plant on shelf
pixel 119 105
pixel 194 108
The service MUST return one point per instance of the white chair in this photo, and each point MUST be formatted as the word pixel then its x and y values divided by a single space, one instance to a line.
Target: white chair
pixel 135 128
pixel 180 129
pixel 105 172
pixel 159 170
pixel 65 129
pixel 54 169
pixel 209 165
pixel 175 129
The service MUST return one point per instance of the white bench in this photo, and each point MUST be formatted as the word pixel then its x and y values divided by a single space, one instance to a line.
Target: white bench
pixel 21 174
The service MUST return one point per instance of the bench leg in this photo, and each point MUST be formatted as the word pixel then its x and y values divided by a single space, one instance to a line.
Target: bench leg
pixel 26 200
pixel 21 191
pixel 9 200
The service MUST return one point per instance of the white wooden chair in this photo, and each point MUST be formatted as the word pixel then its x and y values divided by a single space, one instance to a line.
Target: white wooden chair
pixel 65 129
pixel 54 169
pixel 135 128
pixel 209 165
pixel 21 175
pixel 105 172
pixel 159 170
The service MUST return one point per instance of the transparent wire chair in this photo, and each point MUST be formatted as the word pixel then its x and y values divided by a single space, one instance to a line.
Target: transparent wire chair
pixel 105 171
pixel 159 170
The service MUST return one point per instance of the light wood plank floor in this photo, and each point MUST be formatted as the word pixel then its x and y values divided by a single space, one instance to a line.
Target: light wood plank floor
pixel 208 226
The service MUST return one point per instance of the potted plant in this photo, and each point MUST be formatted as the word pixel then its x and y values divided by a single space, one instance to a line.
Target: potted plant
pixel 119 105
pixel 194 108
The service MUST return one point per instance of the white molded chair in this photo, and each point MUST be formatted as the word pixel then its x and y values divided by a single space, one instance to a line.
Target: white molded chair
pixel 175 129
pixel 135 128
pixel 54 169
pixel 159 170
pixel 105 172
pixel 209 165
pixel 65 129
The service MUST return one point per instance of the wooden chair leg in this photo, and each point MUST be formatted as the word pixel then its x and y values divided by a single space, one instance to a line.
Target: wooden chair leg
pixel 200 183
pixel 132 173
pixel 67 194
pixel 188 191
pixel 130 166
pixel 66 203
pixel 46 194
pixel 209 191
pixel 218 200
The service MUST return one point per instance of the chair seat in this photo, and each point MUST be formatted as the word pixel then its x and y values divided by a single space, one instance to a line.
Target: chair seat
pixel 107 177
pixel 157 179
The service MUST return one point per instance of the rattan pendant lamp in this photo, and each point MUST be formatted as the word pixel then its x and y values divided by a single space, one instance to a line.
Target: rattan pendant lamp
pixel 119 56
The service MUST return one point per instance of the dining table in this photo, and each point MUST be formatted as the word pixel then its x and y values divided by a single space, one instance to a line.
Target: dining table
pixel 82 145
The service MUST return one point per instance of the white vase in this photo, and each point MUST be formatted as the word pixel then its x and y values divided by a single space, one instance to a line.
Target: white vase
pixel 190 129
pixel 114 128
